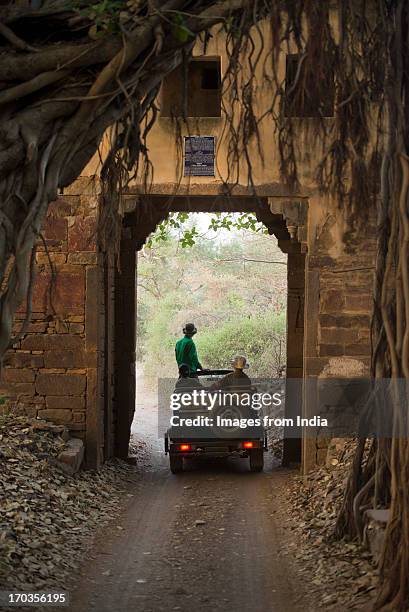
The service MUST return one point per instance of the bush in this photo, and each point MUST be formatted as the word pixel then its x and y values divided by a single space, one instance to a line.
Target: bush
pixel 261 339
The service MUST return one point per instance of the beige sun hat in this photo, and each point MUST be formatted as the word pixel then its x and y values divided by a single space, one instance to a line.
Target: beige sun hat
pixel 239 362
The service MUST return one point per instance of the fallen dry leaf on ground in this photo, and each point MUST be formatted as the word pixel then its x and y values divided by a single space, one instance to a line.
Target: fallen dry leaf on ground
pixel 47 518
pixel 341 573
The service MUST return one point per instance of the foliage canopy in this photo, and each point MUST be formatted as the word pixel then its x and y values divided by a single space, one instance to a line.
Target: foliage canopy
pixel 233 286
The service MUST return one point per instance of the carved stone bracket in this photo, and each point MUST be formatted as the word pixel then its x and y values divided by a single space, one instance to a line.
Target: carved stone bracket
pixel 295 215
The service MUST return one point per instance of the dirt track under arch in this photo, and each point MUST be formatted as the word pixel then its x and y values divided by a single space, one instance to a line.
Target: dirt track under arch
pixel 209 539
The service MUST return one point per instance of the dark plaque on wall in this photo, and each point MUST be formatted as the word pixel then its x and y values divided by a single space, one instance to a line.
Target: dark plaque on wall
pixel 199 156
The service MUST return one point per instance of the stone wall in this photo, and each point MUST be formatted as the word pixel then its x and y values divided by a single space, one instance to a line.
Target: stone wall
pixel 49 373
pixel 339 303
pixel 75 365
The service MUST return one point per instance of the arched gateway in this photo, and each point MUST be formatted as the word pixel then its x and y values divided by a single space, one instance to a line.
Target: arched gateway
pixel 76 363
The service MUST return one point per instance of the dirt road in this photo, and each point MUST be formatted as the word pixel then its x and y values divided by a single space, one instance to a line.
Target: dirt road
pixel 209 539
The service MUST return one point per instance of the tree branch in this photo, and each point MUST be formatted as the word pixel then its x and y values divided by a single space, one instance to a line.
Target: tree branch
pixel 15 40
pixel 24 89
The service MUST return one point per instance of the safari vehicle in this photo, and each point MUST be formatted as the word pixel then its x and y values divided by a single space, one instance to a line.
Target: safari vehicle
pixel 216 441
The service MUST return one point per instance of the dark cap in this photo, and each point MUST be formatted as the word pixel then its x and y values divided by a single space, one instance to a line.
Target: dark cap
pixel 189 328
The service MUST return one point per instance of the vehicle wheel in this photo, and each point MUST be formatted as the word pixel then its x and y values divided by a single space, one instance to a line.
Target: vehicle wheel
pixel 176 464
pixel 256 460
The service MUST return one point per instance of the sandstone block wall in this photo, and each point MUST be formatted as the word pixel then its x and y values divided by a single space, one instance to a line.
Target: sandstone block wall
pixel 339 304
pixel 47 374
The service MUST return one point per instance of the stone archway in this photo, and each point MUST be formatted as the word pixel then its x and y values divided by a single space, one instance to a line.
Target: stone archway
pixel 69 366
pixel 119 402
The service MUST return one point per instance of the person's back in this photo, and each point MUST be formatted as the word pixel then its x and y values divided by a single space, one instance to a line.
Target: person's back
pixel 185 350
pixel 235 381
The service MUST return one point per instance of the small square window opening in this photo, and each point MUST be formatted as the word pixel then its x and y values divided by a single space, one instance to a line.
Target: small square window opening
pixel 203 89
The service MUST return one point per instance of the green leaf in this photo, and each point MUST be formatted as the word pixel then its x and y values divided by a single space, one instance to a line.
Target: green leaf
pixel 180 31
pixel 176 223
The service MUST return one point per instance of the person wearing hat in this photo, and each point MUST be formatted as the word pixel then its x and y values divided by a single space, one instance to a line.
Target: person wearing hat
pixel 185 350
pixel 236 380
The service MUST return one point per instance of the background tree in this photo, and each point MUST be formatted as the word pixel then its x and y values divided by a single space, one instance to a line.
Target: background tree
pixel 231 283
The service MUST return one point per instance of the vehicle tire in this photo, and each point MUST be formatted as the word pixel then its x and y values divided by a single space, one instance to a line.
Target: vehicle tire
pixel 176 464
pixel 228 412
pixel 256 460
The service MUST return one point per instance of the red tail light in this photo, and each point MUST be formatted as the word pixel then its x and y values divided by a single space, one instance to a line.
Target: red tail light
pixel 248 444
pixel 185 447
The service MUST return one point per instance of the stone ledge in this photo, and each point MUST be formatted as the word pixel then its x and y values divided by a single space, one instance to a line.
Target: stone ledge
pixel 374 531
pixel 71 458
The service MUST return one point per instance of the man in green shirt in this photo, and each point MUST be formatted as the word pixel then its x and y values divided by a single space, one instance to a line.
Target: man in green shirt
pixel 186 352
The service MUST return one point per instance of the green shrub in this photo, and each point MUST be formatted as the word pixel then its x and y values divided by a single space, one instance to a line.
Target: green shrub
pixel 261 339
